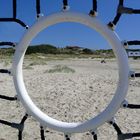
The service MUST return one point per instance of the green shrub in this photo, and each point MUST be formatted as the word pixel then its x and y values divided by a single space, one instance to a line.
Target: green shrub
pixel 61 69
pixel 45 49
pixel 87 51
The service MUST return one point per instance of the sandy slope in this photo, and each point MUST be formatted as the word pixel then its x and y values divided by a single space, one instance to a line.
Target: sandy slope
pixel 69 97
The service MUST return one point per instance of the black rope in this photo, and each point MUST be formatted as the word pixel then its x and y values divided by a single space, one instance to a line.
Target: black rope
pixel 115 21
pixel 19 126
pixel 5 122
pixel 22 126
pixel 122 10
pixel 5 71
pixel 8 44
pixel 132 106
pixel 116 127
pixel 121 2
pixel 65 4
pixel 7 20
pixel 94 8
pixel 127 10
pixel 67 137
pixel 38 11
pixel 95 5
pixel 128 136
pixel 42 133
pixel 24 119
pixel 135 42
pixel 14 9
pixel 135 75
pixel 8 98
pixel 21 23
pixel 135 11
pixel 94 135
pixel 20 135
pixel 117 17
pixel 14 20
pixel 136 134
pixel 122 136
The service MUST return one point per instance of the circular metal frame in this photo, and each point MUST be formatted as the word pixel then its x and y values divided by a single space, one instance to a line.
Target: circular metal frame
pixel 123 70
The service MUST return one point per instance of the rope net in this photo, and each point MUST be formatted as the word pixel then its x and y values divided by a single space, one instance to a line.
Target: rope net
pixel 121 10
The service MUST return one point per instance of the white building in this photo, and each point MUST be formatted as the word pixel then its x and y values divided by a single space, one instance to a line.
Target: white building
pixel 134 53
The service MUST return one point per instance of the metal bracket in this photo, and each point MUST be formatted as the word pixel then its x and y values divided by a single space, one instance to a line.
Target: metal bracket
pixel 94 134
pixel 125 44
pixel 67 136
pixel 111 26
pixel 132 75
pixel 93 13
pixel 124 104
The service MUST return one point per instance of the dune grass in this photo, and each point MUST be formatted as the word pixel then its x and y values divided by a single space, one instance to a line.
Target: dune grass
pixel 60 69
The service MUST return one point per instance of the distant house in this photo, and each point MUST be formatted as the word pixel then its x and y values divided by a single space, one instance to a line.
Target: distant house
pixel 133 53
pixel 74 48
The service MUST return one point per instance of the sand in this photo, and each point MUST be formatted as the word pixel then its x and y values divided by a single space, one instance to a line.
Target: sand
pixel 70 96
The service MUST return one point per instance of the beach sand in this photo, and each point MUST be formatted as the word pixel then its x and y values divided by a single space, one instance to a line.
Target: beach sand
pixel 77 94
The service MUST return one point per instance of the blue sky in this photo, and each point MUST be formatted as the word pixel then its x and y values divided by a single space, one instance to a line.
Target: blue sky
pixel 65 34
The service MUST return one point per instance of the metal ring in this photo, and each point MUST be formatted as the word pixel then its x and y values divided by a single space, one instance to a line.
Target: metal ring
pixel 123 69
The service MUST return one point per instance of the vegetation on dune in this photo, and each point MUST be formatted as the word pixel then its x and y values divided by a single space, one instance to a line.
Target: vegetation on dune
pixel 45 49
pixel 60 69
pixel 52 50
pixel 6 52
